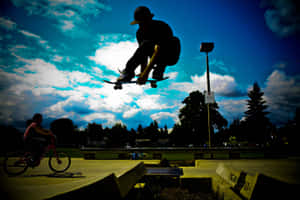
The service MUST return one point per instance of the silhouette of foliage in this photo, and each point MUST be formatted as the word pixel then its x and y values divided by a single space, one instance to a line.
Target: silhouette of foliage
pixel 256 122
pixel 193 128
pixel 64 129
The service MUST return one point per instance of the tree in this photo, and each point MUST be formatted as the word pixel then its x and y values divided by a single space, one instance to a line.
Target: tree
pixel 152 132
pixel 11 139
pixel 119 135
pixel 290 134
pixel 193 120
pixel 257 124
pixel 95 131
pixel 64 130
pixel 236 129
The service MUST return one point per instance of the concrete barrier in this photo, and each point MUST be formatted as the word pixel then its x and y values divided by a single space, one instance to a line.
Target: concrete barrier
pixel 223 190
pixel 260 186
pixel 231 176
pixel 227 183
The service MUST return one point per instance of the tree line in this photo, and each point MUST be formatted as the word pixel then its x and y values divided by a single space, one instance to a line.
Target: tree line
pixel 254 129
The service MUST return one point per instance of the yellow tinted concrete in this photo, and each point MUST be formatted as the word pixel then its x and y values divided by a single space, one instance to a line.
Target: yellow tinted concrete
pixel 286 170
pixel 35 183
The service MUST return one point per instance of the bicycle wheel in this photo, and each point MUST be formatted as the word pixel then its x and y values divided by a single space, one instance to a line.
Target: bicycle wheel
pixel 59 163
pixel 15 163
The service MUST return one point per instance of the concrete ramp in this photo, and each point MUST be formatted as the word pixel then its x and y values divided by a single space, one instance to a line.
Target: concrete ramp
pixel 111 179
pixel 110 187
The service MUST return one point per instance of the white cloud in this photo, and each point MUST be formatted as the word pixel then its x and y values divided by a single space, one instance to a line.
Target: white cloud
pixel 108 99
pixel 44 74
pixel 7 24
pixel 164 115
pixel 131 112
pixel 12 26
pixel 67 25
pixel 79 77
pixel 57 58
pixel 69 14
pixel 282 93
pixel 223 85
pixel 151 102
pixel 172 75
pixel 28 34
pixel 114 56
pixel 41 77
pixel 108 117
pixel 232 109
pixel 56 109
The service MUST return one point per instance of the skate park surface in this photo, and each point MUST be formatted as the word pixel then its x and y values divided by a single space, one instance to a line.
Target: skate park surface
pixel 41 183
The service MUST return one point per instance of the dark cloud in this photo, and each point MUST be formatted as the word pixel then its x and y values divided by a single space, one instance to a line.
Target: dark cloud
pixel 237 92
pixel 283 16
pixel 282 93
pixel 68 15
pixel 78 107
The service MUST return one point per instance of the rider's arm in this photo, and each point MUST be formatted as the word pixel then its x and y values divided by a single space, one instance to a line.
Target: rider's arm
pixel 42 131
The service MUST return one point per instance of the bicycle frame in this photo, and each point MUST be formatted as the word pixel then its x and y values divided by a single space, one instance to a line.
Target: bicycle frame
pixel 51 146
pixel 26 159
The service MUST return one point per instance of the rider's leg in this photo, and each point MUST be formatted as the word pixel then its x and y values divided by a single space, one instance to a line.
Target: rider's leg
pixel 158 72
pixel 168 56
pixel 139 57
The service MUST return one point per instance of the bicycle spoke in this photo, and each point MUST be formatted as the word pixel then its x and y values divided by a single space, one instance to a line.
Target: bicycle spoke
pixel 14 164
pixel 60 163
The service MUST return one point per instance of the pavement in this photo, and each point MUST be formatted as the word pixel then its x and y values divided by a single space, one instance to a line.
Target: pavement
pixel 40 182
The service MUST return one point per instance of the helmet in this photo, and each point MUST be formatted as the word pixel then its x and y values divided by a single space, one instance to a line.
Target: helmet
pixel 141 14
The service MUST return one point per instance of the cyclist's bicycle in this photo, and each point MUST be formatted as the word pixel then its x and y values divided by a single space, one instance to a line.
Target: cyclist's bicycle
pixel 16 163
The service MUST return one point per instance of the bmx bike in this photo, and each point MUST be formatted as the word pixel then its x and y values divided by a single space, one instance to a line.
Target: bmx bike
pixel 16 163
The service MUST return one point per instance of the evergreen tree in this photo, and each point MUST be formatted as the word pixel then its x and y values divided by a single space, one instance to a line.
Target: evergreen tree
pixel 257 123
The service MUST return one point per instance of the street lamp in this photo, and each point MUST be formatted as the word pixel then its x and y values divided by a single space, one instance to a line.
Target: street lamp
pixel 208 47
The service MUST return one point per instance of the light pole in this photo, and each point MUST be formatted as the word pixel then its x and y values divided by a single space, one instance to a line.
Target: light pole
pixel 207 47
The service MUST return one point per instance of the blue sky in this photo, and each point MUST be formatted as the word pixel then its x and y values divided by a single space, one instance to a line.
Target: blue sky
pixel 54 55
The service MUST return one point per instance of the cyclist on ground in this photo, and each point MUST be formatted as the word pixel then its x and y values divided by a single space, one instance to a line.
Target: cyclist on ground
pixel 37 138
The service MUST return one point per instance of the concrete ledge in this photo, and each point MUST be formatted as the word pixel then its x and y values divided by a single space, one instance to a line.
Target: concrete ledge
pixel 231 176
pixel 223 190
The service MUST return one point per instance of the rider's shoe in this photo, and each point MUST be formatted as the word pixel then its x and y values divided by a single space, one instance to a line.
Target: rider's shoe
pixel 31 162
pixel 125 76
pixel 158 72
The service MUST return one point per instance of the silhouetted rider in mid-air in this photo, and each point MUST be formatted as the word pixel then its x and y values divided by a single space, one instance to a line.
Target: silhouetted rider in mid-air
pixel 150 33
